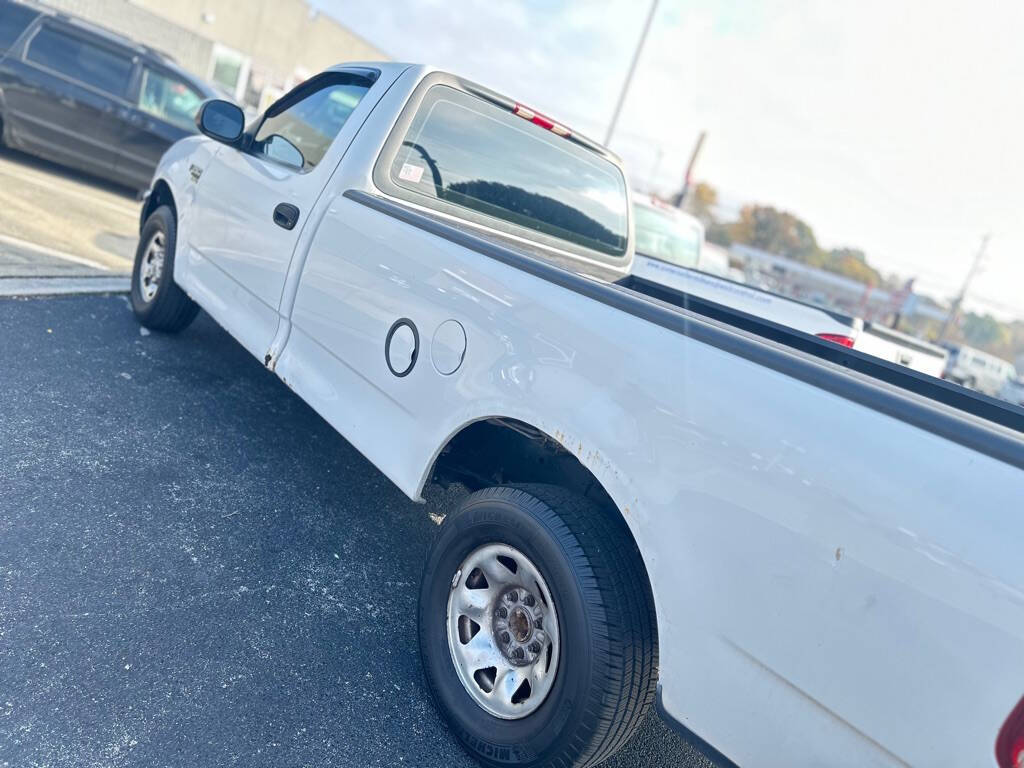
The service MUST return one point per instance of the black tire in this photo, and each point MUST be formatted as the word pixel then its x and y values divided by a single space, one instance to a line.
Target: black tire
pixel 170 309
pixel 607 671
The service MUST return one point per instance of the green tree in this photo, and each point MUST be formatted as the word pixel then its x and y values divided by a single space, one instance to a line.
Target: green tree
pixel 985 332
pixel 775 231
pixel 701 201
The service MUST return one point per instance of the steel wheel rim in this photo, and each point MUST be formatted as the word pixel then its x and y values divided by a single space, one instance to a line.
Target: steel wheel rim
pixel 152 267
pixel 503 631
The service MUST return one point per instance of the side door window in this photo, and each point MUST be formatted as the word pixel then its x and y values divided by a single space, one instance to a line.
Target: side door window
pixel 80 60
pixel 75 95
pixel 298 130
pixel 169 98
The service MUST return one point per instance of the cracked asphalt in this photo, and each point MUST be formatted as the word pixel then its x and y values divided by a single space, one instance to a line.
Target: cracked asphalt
pixel 195 569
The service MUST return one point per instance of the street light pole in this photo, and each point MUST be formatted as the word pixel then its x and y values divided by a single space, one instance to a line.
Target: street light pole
pixel 954 310
pixel 632 69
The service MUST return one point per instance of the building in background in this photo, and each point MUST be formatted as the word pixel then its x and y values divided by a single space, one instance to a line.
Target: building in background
pixel 254 50
pixel 828 289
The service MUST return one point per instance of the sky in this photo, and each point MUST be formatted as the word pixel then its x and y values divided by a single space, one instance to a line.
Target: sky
pixel 894 126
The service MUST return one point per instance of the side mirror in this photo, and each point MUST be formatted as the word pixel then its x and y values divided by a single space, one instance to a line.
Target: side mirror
pixel 221 120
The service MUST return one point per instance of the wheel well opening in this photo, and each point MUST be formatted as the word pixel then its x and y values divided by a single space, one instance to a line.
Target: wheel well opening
pixel 161 195
pixel 501 451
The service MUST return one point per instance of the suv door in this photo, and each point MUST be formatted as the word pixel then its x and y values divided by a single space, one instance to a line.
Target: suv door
pixel 251 204
pixel 65 99
pixel 165 111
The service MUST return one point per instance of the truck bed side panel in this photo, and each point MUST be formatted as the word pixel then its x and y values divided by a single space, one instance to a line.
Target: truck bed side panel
pixel 813 560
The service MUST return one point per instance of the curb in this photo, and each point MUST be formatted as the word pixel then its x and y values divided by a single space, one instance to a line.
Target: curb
pixel 62 286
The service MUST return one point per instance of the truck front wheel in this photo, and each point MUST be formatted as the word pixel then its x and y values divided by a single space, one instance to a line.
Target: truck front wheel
pixel 536 628
pixel 157 301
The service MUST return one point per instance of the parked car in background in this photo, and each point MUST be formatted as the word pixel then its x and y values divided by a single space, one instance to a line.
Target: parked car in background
pixel 670 250
pixel 978 370
pixel 84 97
pixel 902 348
pixel 1013 391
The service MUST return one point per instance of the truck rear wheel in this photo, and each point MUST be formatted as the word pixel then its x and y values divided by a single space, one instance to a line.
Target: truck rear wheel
pixel 157 301
pixel 536 628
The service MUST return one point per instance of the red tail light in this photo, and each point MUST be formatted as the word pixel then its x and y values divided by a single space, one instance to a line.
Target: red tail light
pixel 837 338
pixel 538 119
pixel 1010 743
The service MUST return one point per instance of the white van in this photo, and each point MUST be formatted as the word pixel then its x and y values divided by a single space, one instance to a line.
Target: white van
pixel 978 370
pixel 1013 391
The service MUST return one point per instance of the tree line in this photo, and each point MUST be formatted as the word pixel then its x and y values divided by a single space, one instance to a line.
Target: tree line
pixel 778 232
pixel 784 234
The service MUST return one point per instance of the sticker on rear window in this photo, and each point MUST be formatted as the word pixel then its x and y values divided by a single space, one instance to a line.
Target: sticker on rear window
pixel 411 173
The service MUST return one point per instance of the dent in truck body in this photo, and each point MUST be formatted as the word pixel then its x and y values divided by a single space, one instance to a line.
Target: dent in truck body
pixel 740 468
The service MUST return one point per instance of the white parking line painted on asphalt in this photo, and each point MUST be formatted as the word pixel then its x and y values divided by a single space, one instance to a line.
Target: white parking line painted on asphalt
pixel 14 242
pixel 70 188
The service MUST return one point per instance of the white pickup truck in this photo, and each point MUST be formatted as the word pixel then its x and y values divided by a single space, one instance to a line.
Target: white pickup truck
pixel 801 562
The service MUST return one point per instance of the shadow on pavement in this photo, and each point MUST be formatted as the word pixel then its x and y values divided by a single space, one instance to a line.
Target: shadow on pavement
pixel 51 168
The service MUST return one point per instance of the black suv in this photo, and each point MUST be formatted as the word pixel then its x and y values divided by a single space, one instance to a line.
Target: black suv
pixel 84 97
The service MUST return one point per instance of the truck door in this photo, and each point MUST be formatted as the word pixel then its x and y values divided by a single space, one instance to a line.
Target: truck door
pixel 252 204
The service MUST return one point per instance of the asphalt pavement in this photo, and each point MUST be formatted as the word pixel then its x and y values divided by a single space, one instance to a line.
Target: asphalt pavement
pixel 56 222
pixel 195 569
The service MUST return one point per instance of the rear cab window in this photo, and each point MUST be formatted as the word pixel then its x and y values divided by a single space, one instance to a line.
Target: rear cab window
pixel 467 156
pixel 14 20
pixel 81 60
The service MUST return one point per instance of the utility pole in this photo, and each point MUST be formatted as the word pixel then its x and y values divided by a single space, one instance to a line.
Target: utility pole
pixel 629 75
pixel 652 179
pixel 954 310
pixel 681 196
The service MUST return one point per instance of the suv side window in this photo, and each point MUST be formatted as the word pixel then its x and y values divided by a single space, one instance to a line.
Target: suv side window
pixel 14 19
pixel 169 98
pixel 299 129
pixel 77 59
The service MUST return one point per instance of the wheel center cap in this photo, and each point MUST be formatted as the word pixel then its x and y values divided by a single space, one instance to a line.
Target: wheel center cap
pixel 519 624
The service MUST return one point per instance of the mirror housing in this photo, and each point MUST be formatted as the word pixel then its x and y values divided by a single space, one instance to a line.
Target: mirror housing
pixel 221 120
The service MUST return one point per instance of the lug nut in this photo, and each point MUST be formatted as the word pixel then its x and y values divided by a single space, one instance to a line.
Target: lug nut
pixel 539 622
pixel 502 612
pixel 513 597
pixel 528 600
pixel 517 653
pixel 534 647
pixel 505 637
